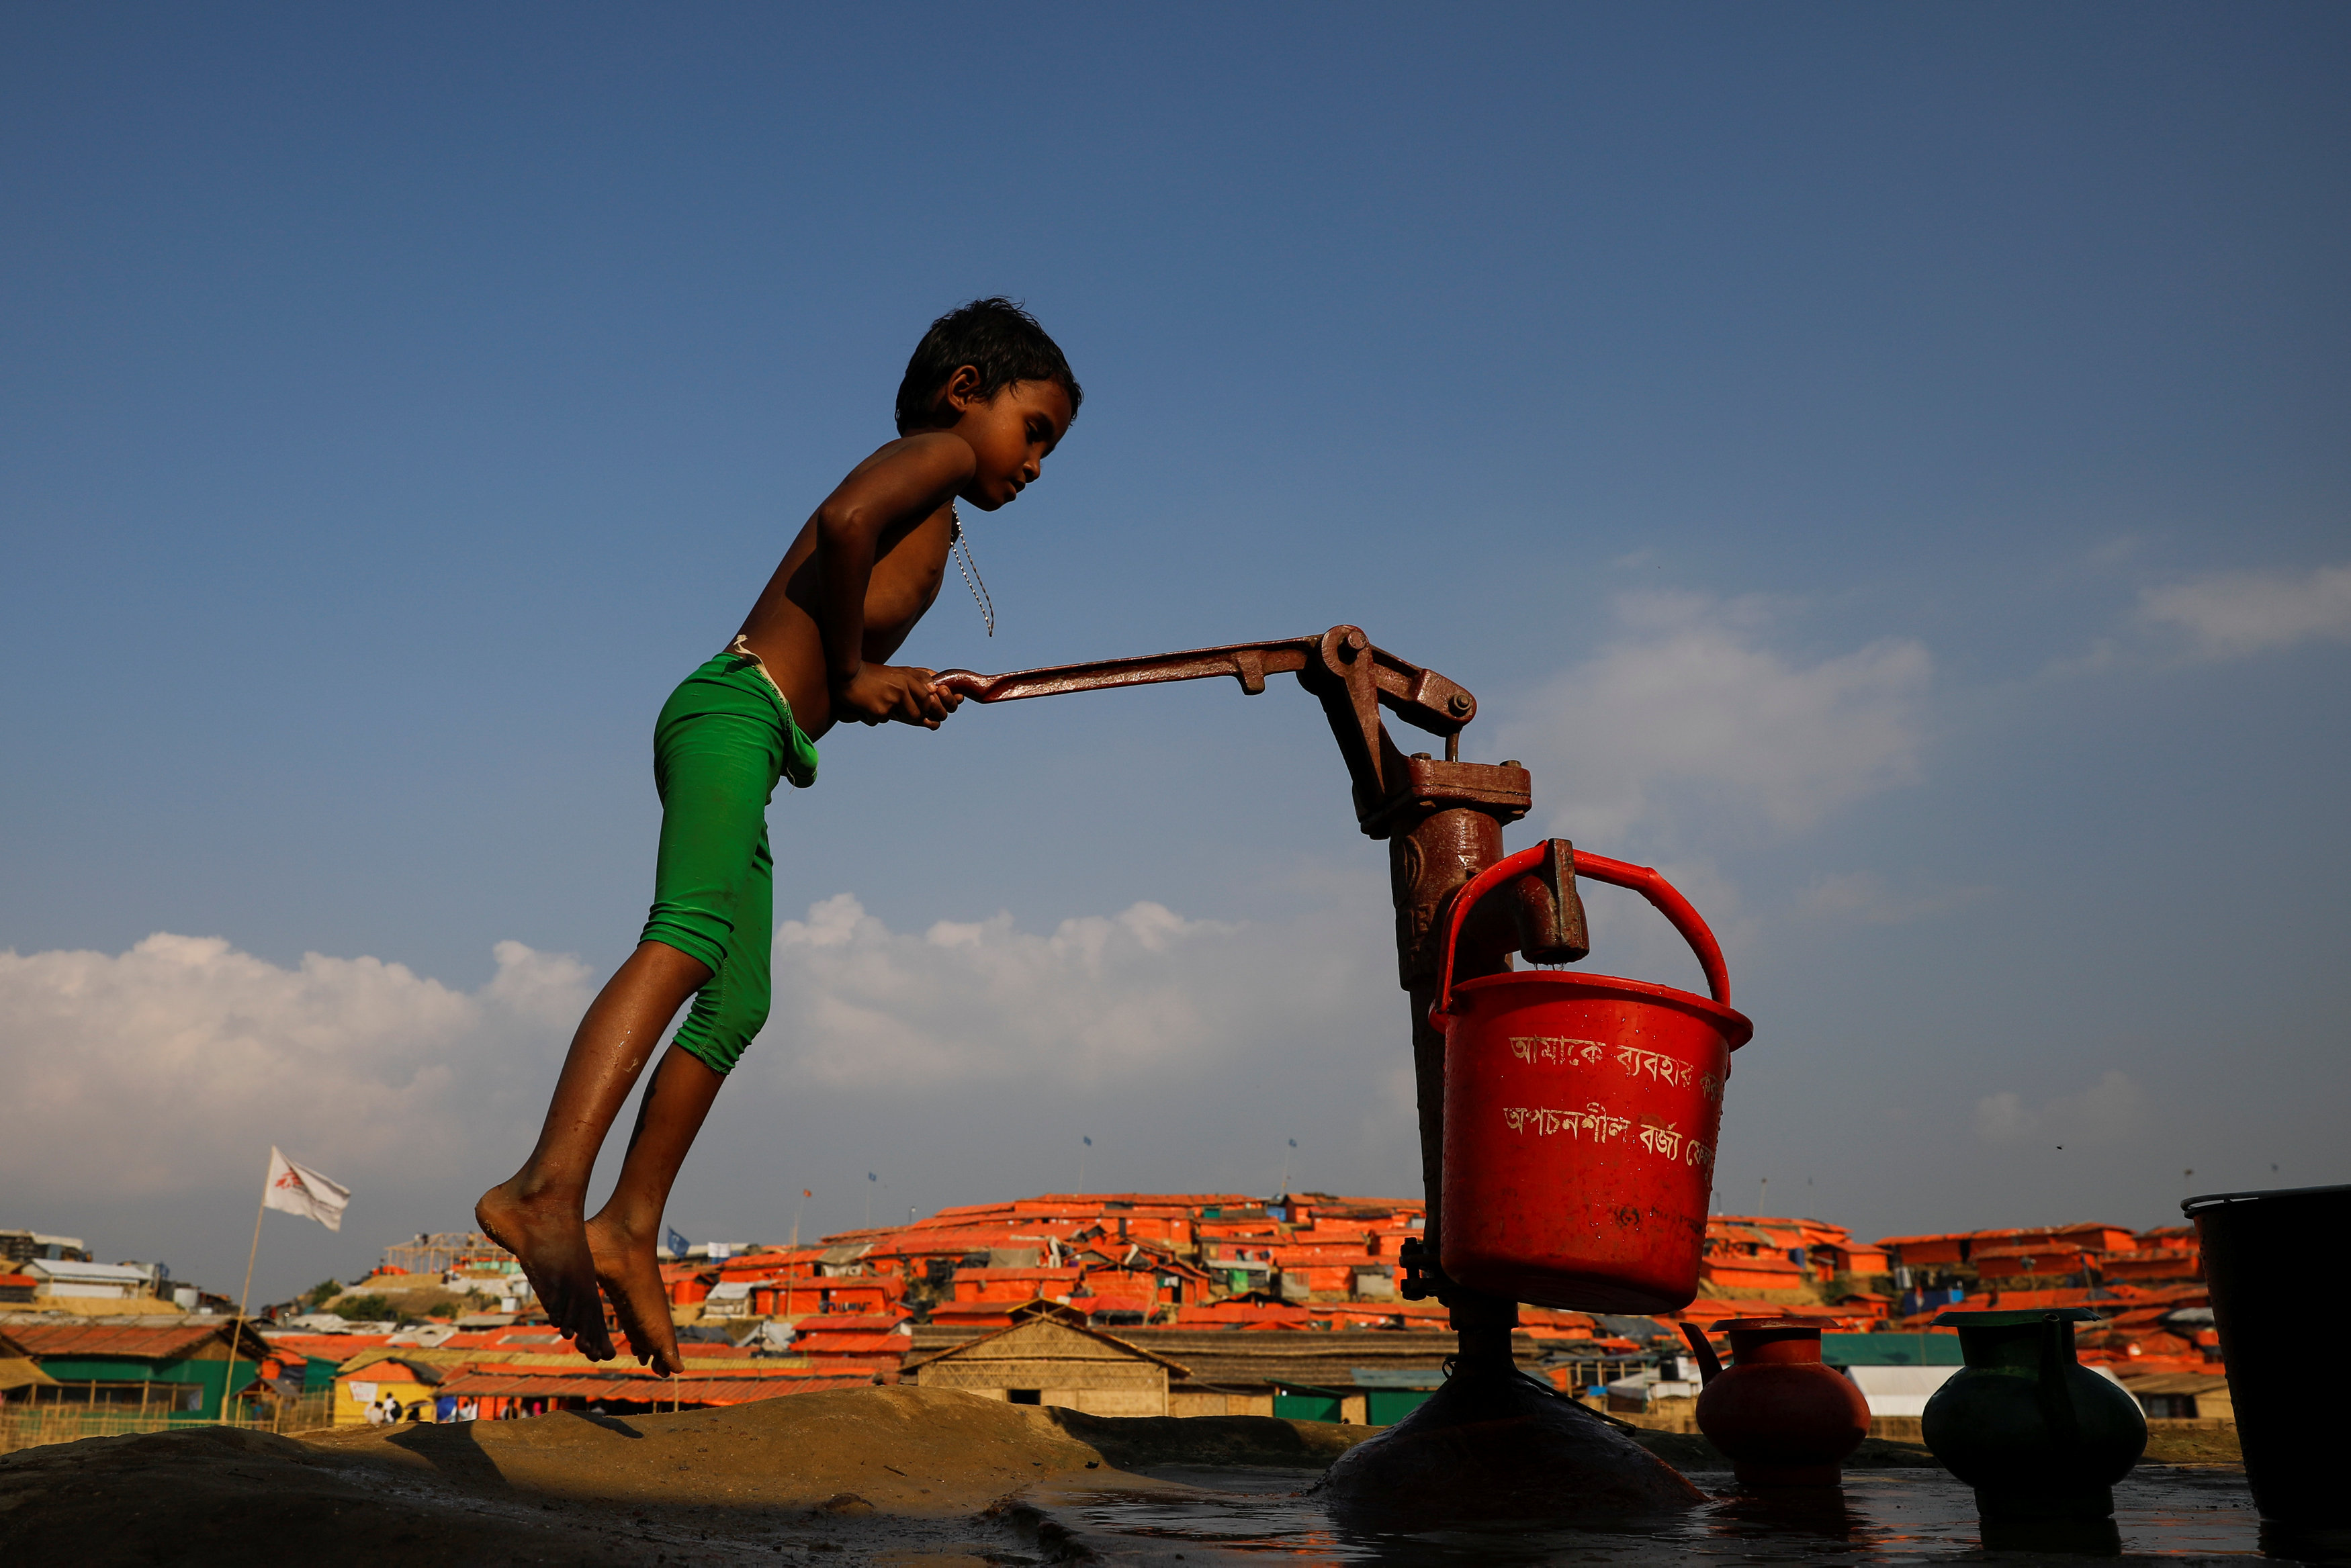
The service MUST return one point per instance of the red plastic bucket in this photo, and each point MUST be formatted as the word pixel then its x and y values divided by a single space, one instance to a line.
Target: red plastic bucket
pixel 1580 1112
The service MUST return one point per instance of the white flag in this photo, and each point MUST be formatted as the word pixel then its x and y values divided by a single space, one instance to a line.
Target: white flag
pixel 299 1190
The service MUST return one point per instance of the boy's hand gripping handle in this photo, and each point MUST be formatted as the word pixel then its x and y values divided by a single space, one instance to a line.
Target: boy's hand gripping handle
pixel 1642 879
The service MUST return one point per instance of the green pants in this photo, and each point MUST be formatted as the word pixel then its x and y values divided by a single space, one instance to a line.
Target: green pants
pixel 724 738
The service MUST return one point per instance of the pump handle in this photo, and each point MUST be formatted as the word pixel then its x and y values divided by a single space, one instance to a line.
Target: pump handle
pixel 1642 879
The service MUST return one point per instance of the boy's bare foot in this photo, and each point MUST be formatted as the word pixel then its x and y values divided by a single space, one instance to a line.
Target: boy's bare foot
pixel 548 1239
pixel 631 1275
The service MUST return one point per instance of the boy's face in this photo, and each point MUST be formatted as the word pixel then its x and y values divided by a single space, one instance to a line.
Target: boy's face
pixel 1010 433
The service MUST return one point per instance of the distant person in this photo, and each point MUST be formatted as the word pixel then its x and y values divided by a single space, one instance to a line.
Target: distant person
pixel 985 397
pixel 374 1413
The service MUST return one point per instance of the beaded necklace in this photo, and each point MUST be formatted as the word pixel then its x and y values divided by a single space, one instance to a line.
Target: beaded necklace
pixel 961 545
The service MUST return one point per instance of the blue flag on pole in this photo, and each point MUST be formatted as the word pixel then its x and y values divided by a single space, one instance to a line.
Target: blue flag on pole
pixel 676 1244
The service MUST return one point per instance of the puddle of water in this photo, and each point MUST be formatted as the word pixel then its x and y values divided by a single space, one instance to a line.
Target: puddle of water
pixel 1207 1517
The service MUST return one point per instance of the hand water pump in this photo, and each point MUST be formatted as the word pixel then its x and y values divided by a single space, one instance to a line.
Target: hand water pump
pixel 1567 1121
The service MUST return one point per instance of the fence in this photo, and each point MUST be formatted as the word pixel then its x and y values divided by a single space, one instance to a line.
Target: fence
pixel 69 1421
pixel 1583 1375
pixel 440 1250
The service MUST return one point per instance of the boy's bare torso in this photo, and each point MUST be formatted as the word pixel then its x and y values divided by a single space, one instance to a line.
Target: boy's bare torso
pixel 877 548
pixel 910 561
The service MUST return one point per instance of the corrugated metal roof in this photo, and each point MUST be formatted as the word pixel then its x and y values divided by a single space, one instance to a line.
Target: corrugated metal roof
pixel 106 1273
pixel 42 1341
pixel 1891 1349
pixel 1398 1377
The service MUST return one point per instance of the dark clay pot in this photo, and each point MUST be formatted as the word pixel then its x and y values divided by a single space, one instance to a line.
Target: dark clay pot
pixel 2037 1433
pixel 1782 1416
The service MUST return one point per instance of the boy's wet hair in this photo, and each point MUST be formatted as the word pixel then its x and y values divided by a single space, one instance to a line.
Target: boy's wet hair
pixel 996 337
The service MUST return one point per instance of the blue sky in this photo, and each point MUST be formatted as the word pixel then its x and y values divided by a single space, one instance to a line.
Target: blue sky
pixel 1886 467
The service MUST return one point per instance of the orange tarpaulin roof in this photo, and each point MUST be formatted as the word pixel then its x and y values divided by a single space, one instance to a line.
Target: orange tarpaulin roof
pixel 849 1323
pixel 874 1344
pixel 644 1387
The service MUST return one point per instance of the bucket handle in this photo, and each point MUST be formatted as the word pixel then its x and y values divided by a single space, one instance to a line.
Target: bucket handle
pixel 1642 879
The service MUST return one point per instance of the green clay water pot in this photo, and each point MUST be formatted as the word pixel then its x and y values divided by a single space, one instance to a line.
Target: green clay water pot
pixel 2037 1433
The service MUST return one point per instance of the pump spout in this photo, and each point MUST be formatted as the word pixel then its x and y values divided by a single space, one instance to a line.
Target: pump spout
pixel 1710 1366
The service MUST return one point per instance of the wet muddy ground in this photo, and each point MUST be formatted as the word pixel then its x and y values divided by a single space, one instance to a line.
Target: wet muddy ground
pixel 909 1475
pixel 1222 1518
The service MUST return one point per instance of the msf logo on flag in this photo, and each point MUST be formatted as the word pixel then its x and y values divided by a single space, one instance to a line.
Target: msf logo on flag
pixel 297 1189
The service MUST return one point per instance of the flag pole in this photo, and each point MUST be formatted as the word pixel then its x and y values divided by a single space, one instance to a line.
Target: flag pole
pixel 228 1379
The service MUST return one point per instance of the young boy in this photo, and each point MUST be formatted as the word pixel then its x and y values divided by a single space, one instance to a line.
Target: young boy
pixel 985 397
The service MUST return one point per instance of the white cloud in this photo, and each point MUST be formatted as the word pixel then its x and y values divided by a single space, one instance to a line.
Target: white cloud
pixel 2109 1108
pixel 1689 700
pixel 160 1076
pixel 2227 615
pixel 2002 1118
pixel 180 1062
pixel 1863 896
pixel 1140 996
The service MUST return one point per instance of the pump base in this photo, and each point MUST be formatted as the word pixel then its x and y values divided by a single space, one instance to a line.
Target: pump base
pixel 2015 1504
pixel 1831 1474
pixel 1494 1444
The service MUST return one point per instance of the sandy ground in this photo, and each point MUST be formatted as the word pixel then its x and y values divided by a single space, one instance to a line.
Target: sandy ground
pixel 899 1475
pixel 892 1475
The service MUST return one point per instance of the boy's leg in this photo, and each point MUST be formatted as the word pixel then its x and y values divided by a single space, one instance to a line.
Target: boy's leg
pixel 729 1012
pixel 718 751
pixel 535 1213
pixel 624 1234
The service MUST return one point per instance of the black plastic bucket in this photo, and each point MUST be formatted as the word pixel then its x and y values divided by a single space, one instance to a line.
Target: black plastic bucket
pixel 2276 1265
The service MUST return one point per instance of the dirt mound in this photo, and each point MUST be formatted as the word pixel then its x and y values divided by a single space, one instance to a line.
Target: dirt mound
pixel 901 1475
pixel 1136 1442
pixel 908 1474
pixel 2183 1444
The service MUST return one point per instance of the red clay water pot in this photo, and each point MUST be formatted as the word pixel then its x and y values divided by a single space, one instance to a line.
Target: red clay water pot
pixel 1580 1112
pixel 1782 1416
